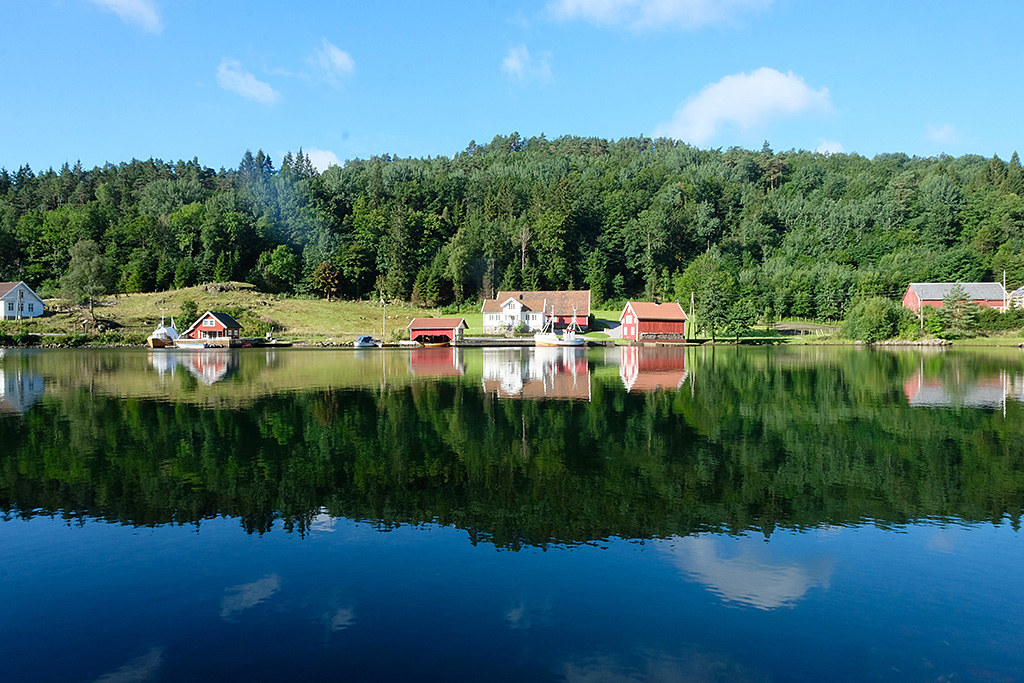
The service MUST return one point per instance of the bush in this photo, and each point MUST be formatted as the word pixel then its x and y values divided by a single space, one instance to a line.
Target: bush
pixel 877 318
pixel 189 312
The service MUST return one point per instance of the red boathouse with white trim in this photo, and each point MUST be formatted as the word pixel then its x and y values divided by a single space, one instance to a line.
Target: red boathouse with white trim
pixel 647 321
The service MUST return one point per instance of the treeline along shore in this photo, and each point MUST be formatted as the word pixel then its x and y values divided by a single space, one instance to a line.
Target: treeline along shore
pixel 792 234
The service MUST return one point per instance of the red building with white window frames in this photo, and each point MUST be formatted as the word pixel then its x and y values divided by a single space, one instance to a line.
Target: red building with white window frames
pixel 646 321
pixel 215 326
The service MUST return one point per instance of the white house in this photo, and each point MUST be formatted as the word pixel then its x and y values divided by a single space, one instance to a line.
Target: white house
pixel 531 309
pixel 17 301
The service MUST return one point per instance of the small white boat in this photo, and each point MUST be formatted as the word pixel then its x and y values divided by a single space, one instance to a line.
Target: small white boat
pixel 164 336
pixel 548 337
pixel 190 343
pixel 366 342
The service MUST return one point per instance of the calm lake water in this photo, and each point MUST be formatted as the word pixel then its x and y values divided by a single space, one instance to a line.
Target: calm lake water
pixel 605 515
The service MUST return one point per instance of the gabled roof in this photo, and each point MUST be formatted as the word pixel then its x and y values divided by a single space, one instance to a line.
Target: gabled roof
pixel 225 320
pixel 6 287
pixel 437 324
pixel 936 291
pixel 646 310
pixel 557 303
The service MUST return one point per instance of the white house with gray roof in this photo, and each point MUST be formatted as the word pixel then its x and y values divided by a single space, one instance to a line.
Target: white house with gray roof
pixel 17 301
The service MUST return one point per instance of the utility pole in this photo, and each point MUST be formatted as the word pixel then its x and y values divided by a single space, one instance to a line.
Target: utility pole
pixel 691 313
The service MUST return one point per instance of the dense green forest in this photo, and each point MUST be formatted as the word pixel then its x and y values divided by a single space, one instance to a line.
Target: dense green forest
pixel 789 234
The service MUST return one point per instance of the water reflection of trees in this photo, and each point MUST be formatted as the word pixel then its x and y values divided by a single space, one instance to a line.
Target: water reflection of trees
pixel 757 441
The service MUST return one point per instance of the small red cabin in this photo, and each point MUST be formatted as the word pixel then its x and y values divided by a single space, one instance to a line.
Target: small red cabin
pixel 653 322
pixel 436 330
pixel 213 325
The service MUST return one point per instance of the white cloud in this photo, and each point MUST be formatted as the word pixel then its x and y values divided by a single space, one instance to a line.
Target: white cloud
pixel 644 15
pixel 143 13
pixel 138 670
pixel 335 64
pixel 744 100
pixel 321 160
pixel 230 76
pixel 829 147
pixel 745 578
pixel 945 134
pixel 247 595
pixel 522 68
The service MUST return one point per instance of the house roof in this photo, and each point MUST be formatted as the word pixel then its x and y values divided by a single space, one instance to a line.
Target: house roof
pixel 936 291
pixel 225 320
pixel 557 303
pixel 437 324
pixel 6 287
pixel 645 310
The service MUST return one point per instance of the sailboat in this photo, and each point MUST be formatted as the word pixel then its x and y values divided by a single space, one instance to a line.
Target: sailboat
pixel 548 337
pixel 163 336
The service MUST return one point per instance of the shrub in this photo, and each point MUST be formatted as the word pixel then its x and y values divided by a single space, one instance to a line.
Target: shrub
pixel 876 318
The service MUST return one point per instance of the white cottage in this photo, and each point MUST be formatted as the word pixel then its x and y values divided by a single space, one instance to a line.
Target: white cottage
pixel 17 301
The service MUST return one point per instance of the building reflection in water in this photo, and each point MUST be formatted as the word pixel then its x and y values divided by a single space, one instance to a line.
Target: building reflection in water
pixel 206 366
pixel 442 361
pixel 652 368
pixel 20 389
pixel 537 373
pixel 956 389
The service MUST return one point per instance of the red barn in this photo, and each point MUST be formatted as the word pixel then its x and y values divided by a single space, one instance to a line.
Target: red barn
pixel 436 330
pixel 644 321
pixel 921 294
pixel 220 327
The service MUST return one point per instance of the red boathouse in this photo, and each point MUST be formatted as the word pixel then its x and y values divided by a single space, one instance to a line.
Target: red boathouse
pixel 646 321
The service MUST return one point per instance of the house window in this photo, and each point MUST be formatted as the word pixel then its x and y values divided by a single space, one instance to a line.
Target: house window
pixel 10 305
pixel 31 307
pixel 209 322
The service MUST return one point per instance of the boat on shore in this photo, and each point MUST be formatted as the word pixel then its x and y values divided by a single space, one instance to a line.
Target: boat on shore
pixel 367 342
pixel 163 336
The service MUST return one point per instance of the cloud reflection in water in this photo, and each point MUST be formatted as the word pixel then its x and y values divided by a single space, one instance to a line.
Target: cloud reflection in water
pixel 746 577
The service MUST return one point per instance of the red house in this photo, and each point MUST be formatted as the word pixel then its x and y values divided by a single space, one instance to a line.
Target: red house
pixel 211 325
pixel 645 321
pixel 921 294
pixel 436 330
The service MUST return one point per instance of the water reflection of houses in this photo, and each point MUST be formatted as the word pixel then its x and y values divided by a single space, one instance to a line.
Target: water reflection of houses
pixel 443 361
pixel 19 389
pixel 537 373
pixel 652 369
pixel 206 366
pixel 958 390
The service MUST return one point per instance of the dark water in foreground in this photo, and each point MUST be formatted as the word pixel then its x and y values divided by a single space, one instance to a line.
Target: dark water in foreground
pixel 610 515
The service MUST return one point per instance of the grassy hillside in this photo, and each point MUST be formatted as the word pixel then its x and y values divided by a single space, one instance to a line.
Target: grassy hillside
pixel 133 316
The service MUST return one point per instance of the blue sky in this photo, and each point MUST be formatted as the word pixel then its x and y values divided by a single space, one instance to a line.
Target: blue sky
pixel 109 80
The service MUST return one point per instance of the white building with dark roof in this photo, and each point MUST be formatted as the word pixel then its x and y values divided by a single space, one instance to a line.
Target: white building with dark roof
pixel 17 301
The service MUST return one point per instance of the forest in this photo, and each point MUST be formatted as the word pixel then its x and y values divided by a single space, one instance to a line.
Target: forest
pixel 792 234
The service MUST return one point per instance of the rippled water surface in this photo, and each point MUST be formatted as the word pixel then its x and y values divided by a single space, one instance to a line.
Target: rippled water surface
pixel 612 514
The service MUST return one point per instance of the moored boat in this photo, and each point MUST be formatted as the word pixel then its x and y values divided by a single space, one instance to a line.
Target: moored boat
pixel 366 342
pixel 548 337
pixel 163 336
